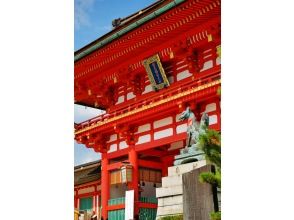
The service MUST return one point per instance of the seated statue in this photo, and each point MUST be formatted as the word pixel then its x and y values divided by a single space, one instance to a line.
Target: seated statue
pixel 194 128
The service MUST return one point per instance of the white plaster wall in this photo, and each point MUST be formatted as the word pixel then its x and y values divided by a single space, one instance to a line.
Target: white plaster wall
pixel 210 107
pixel 120 99
pixel 163 133
pixel 112 148
pixel 86 190
pixel 147 89
pixel 143 128
pixel 181 128
pixel 163 122
pixel 123 145
pixel 144 139
pixel 112 138
pixel 183 75
pixel 212 119
pixel 207 65
pixel 117 191
pixel 130 95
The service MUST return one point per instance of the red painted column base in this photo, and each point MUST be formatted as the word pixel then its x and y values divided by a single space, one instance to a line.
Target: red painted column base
pixel 104 186
pixel 135 180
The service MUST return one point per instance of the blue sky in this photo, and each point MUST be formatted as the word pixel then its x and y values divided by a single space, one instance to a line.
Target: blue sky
pixel 92 20
pixel 93 17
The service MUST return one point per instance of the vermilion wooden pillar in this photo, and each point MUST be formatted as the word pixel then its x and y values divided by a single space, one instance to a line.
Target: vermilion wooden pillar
pixel 104 185
pixel 76 199
pixel 133 158
pixel 164 167
pixel 94 203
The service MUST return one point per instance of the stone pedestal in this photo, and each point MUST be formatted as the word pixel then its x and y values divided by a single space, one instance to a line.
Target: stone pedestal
pixel 170 195
pixel 188 155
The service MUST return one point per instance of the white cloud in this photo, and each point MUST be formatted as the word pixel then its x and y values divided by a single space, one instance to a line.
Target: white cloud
pixel 84 154
pixel 83 113
pixel 82 8
pixel 90 158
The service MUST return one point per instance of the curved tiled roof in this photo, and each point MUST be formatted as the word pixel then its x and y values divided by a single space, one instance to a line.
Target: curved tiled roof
pixel 88 172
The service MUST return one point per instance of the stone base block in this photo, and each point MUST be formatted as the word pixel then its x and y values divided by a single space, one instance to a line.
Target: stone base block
pixel 172 200
pixel 170 195
pixel 170 191
pixel 184 168
pixel 188 158
pixel 170 210
pixel 169 181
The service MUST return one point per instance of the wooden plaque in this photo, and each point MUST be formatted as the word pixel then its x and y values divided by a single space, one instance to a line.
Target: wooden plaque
pixel 155 72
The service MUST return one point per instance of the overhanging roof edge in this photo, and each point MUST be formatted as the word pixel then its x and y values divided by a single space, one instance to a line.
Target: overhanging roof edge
pixel 127 29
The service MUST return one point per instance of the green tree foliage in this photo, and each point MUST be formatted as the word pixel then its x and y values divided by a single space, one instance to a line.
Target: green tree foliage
pixel 172 217
pixel 210 144
pixel 215 216
pixel 211 178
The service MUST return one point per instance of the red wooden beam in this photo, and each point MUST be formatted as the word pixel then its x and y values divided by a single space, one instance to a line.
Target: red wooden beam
pixel 118 153
pixel 84 195
pixel 86 185
pixel 114 166
pixel 147 205
pixel 115 207
pixel 154 153
pixel 161 142
pixel 150 164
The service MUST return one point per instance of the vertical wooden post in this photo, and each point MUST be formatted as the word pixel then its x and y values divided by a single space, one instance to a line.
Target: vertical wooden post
pixel 94 203
pixel 134 162
pixel 164 162
pixel 104 185
pixel 97 206
pixel 76 199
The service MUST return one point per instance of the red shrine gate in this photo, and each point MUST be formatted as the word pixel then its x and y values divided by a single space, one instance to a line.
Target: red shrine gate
pixel 140 129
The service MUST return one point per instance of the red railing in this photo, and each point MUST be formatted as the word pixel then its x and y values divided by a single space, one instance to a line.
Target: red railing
pixel 176 88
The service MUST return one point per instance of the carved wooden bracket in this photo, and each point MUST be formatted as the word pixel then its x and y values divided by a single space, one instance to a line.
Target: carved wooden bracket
pixel 127 132
pixel 137 82
pixel 98 142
